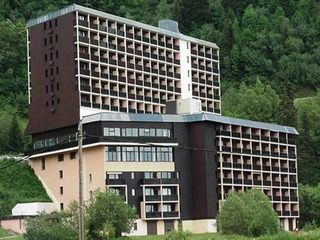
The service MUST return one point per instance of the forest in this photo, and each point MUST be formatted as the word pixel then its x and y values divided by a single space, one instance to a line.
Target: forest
pixel 269 61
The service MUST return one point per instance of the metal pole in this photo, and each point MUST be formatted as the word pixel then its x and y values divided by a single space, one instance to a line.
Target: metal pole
pixel 81 225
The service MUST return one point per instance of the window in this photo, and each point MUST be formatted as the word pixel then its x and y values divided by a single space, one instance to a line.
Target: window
pixel 109 131
pixel 130 132
pixel 60 157
pixel 51 56
pixel 43 164
pixel 132 175
pixel 130 154
pixel 147 154
pixel 58 87
pixel 82 33
pixel 167 208
pixel 90 177
pixel 147 132
pixel 149 191
pixel 45 26
pixel 45 42
pixel 61 190
pixel 150 175
pixel 57 54
pixel 113 154
pixel 50 24
pixel 164 154
pixel 149 208
pixel 60 174
pixel 81 17
pixel 45 57
pixel 46 73
pixel 166 191
pixel 57 70
pixel 166 175
pixel 163 132
pixel 133 192
pixel 61 206
pixel 56 22
pixel 113 176
pixel 56 38
pixel 135 226
pixel 47 90
pixel 50 40
pixel 73 155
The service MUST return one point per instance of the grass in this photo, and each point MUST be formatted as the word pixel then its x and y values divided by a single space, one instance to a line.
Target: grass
pixel 311 235
pixel 11 234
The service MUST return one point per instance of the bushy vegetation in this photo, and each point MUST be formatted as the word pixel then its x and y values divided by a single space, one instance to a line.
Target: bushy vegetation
pixel 248 213
pixel 18 184
pixel 107 212
pixel 178 234
pixel 54 227
pixel 106 217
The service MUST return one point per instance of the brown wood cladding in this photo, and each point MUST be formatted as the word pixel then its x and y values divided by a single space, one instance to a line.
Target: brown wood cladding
pixel 55 100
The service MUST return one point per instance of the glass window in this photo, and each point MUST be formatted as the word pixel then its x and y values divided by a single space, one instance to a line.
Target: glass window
pixel 166 208
pixel 166 191
pixel 113 176
pixel 166 175
pixel 147 154
pixel 130 154
pixel 73 155
pixel 43 164
pixel 60 157
pixel 149 208
pixel 113 154
pixel 164 154
pixel 149 191
pixel 148 175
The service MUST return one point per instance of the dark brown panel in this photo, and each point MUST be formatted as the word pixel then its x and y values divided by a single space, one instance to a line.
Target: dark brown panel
pixel 55 101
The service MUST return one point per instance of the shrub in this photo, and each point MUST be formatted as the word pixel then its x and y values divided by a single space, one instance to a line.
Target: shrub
pixel 248 213
pixel 178 234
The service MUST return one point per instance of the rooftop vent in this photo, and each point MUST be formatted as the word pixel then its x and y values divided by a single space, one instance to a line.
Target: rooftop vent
pixel 168 24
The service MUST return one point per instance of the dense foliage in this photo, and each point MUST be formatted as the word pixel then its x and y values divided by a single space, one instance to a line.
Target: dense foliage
pixel 54 226
pixel 18 184
pixel 248 213
pixel 107 212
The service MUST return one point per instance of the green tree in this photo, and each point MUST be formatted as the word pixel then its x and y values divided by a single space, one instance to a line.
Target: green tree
pixel 15 137
pixel 258 102
pixel 248 213
pixel 109 209
pixel 287 110
pixel 309 201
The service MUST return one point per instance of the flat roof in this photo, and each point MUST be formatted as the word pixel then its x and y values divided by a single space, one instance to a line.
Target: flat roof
pixel 75 7
pixel 199 117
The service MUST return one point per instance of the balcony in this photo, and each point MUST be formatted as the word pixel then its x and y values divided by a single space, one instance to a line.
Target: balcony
pixel 157 181
pixel 170 214
pixel 170 198
pixel 115 181
pixel 153 215
pixel 153 198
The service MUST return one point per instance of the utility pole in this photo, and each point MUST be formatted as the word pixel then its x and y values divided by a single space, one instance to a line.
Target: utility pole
pixel 81 225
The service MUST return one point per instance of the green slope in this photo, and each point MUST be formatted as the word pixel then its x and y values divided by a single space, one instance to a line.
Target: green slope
pixel 18 184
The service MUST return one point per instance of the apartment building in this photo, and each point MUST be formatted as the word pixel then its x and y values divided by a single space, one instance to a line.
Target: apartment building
pixel 173 167
pixel 149 101
pixel 82 61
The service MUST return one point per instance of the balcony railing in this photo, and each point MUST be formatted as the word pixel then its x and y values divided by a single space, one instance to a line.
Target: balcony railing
pixel 153 198
pixel 170 214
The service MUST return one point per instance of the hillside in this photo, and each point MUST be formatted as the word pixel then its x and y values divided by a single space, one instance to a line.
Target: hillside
pixel 18 184
pixel 269 55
